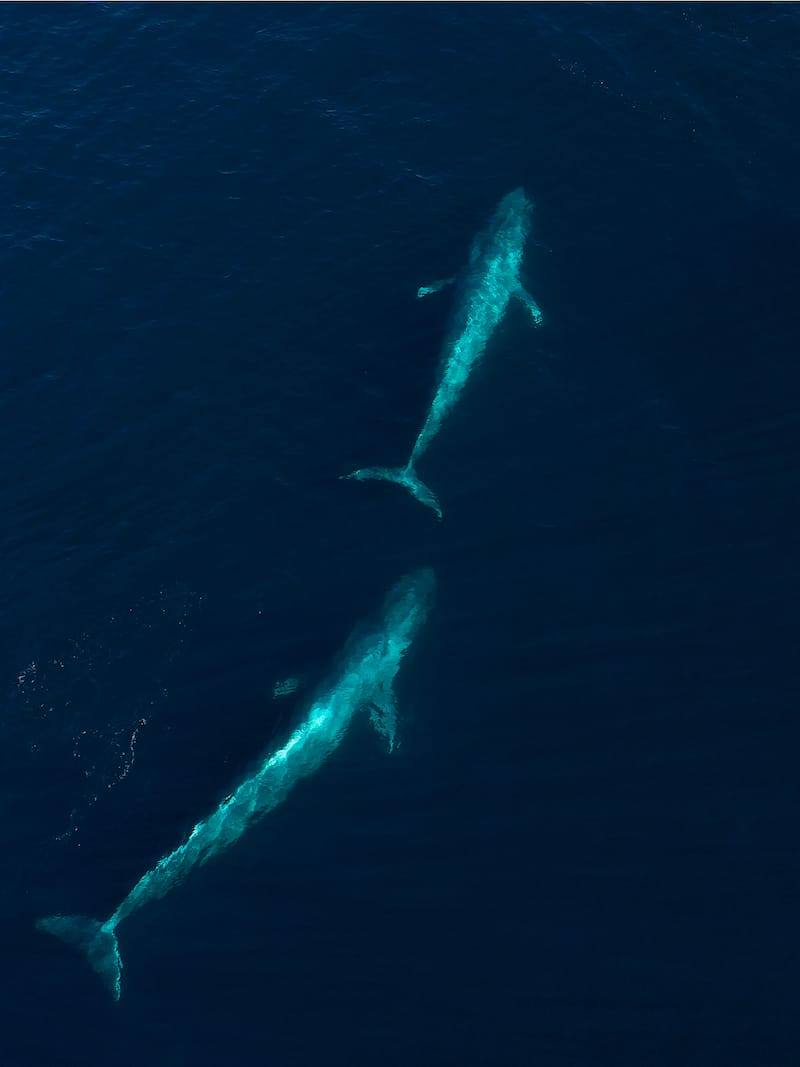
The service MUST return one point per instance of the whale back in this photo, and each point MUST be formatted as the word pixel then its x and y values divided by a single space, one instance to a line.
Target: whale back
pixel 487 281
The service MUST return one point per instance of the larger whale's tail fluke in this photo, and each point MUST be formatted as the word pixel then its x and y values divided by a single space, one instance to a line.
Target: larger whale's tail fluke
pixel 405 476
pixel 97 940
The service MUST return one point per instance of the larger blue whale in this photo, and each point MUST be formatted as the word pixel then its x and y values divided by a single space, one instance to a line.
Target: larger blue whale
pixel 369 663
pixel 487 285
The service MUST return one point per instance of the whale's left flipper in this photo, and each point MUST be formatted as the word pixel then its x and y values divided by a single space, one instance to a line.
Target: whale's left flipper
pixel 434 287
pixel 98 940
pixel 536 312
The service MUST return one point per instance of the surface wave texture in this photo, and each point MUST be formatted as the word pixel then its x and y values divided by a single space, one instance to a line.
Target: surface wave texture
pixel 582 848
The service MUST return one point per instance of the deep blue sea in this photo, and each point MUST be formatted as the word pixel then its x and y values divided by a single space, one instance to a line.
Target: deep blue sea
pixel 214 219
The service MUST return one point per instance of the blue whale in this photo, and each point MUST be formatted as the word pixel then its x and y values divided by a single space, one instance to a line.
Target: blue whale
pixel 369 663
pixel 487 285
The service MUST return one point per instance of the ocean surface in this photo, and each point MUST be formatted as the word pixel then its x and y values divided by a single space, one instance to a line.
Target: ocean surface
pixel 585 849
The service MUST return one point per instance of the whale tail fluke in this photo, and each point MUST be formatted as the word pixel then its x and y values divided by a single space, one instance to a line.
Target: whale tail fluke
pixel 405 476
pixel 97 940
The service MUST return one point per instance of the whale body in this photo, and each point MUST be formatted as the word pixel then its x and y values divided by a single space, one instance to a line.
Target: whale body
pixel 487 285
pixel 369 663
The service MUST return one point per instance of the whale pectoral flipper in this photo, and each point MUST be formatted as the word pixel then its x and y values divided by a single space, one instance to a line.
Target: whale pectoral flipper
pixel 525 297
pixel 434 287
pixel 383 715
pixel 96 939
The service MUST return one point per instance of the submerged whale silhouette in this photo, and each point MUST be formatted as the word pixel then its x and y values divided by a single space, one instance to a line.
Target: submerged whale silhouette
pixel 488 283
pixel 369 663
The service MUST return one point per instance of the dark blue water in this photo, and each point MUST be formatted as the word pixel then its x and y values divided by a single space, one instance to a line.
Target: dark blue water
pixel 214 222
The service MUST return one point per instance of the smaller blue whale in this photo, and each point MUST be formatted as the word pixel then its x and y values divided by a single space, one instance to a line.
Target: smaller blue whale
pixel 488 284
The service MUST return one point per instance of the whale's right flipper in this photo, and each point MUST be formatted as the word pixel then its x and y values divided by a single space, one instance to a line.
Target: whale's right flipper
pixel 384 714
pixel 434 287
pixel 97 940
pixel 405 476
pixel 536 312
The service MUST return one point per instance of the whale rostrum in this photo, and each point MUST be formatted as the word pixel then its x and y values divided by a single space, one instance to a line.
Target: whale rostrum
pixel 364 679
pixel 486 287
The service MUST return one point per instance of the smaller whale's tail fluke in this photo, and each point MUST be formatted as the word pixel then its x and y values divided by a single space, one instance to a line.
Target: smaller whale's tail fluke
pixel 97 940
pixel 405 476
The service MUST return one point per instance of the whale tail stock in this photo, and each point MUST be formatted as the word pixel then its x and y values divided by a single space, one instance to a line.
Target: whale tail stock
pixel 96 939
pixel 405 476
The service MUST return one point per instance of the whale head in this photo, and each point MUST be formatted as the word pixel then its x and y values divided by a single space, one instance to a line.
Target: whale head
pixel 408 603
pixel 515 207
